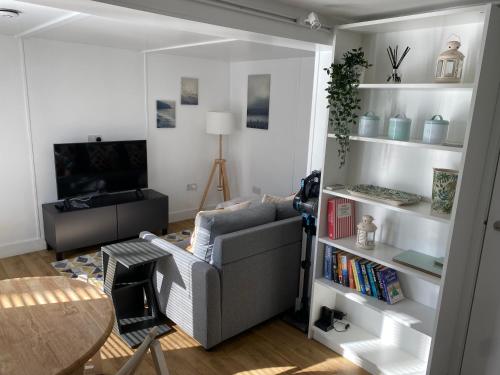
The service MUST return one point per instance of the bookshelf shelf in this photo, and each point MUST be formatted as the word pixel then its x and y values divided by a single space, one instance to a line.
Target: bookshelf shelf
pixel 422 209
pixel 369 351
pixel 382 254
pixel 413 143
pixel 417 86
pixel 406 312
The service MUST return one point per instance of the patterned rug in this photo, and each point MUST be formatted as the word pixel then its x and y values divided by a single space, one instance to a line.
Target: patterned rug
pixel 88 267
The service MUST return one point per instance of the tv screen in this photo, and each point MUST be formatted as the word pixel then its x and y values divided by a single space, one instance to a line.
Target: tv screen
pixel 86 168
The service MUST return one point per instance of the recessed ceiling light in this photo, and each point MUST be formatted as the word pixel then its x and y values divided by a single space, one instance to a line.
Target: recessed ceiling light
pixel 9 13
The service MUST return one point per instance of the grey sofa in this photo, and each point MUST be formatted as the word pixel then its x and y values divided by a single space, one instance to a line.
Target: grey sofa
pixel 252 275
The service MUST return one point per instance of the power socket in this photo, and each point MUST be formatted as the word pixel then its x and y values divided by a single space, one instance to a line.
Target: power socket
pixel 192 187
pixel 95 138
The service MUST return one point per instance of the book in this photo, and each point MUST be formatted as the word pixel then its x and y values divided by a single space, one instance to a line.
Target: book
pixel 365 277
pixel 355 274
pixel 341 220
pixel 352 285
pixel 327 263
pixel 371 278
pixel 421 262
pixel 359 274
pixel 335 266
pixel 345 272
pixel 392 286
pixel 381 282
pixel 339 267
pixel 378 284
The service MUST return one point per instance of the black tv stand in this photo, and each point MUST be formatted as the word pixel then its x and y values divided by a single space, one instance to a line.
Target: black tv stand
pixel 139 194
pixel 108 218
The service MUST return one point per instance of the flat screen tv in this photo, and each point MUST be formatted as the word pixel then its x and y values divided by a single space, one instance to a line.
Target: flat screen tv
pixel 100 167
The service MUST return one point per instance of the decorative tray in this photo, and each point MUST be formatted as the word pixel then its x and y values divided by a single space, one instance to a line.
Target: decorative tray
pixel 384 195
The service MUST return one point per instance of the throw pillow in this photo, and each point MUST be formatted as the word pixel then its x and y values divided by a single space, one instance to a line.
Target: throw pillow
pixel 238 206
pixel 234 207
pixel 210 224
pixel 268 198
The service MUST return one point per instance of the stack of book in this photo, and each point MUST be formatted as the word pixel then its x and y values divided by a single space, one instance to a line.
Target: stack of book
pixel 368 278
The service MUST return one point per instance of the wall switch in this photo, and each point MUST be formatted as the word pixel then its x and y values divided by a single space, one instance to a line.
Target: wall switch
pixel 192 187
pixel 95 138
pixel 256 190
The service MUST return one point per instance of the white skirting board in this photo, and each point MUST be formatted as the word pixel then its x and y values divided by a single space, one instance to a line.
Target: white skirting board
pixel 22 247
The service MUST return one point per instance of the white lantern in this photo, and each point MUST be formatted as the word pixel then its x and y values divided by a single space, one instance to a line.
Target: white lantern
pixel 450 63
pixel 365 238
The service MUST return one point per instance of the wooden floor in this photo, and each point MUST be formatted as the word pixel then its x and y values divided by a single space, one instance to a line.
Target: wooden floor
pixel 270 348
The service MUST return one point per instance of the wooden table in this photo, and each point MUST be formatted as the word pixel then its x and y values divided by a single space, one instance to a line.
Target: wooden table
pixel 51 325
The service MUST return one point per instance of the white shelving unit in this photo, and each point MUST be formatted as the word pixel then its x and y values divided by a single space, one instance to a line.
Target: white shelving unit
pixel 383 255
pixel 417 86
pixel 422 209
pixel 415 143
pixel 404 338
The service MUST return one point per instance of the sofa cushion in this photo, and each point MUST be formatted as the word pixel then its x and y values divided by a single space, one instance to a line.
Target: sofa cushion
pixel 285 210
pixel 210 224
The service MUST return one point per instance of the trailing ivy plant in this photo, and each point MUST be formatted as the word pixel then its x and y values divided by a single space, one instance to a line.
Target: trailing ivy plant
pixel 343 97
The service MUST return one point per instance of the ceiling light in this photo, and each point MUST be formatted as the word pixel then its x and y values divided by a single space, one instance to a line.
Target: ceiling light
pixel 9 13
pixel 312 20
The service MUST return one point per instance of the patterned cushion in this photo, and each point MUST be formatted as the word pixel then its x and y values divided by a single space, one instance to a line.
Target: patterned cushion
pixel 210 224
pixel 268 198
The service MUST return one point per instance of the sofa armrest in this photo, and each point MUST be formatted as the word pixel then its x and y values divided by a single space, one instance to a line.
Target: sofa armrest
pixel 231 247
pixel 188 292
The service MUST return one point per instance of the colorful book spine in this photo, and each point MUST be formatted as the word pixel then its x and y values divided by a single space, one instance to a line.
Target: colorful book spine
pixel 339 267
pixel 360 275
pixel 341 220
pixel 381 281
pixel 335 266
pixel 371 278
pixel 352 284
pixel 327 263
pixel 378 284
pixel 345 271
pixel 355 274
pixel 392 286
pixel 365 277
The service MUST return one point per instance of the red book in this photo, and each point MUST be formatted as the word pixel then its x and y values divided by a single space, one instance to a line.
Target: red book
pixel 341 221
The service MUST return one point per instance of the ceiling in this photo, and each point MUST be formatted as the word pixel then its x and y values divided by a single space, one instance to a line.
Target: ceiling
pixel 365 9
pixel 134 30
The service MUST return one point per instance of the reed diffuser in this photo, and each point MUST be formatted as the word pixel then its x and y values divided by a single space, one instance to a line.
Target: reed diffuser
pixel 395 62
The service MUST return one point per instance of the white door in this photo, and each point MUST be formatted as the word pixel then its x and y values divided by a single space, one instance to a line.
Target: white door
pixel 482 350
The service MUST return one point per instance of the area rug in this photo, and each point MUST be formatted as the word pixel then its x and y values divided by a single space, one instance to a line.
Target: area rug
pixel 89 268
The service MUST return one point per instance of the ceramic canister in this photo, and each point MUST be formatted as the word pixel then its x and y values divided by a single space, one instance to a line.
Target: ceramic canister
pixel 399 128
pixel 435 130
pixel 444 185
pixel 368 125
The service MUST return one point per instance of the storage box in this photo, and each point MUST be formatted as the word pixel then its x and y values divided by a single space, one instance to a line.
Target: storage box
pixel 341 220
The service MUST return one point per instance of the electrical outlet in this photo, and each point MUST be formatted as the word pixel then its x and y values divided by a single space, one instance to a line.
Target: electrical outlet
pixel 256 190
pixel 95 138
pixel 192 187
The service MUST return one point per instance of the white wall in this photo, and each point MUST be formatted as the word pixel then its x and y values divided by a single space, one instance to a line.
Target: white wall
pixel 76 90
pixel 17 203
pixel 183 155
pixel 272 160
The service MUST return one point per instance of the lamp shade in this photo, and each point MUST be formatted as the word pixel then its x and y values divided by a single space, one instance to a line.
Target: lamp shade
pixel 220 123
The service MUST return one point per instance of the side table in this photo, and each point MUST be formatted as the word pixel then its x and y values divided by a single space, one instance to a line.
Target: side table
pixel 128 281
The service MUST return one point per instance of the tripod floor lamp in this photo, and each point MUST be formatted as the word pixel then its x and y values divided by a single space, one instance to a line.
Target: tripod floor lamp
pixel 219 123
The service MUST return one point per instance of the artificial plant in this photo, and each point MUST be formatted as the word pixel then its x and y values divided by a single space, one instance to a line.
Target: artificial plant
pixel 343 97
